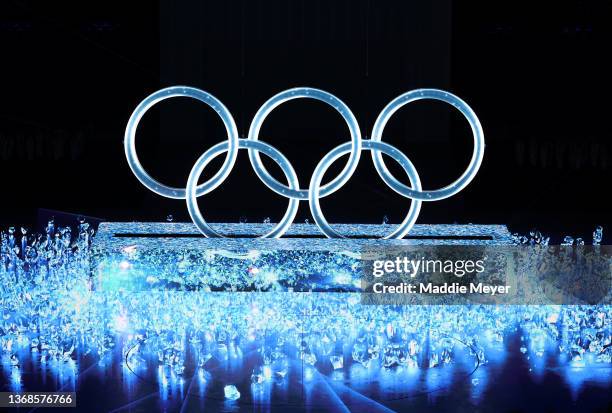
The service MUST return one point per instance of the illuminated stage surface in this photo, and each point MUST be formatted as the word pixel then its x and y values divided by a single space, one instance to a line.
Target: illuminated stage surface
pixel 180 346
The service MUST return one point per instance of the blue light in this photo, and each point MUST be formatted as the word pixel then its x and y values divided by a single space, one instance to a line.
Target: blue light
pixel 56 319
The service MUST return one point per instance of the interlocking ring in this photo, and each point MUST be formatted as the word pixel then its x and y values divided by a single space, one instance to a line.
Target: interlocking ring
pixel 315 190
pixel 337 152
pixel 129 141
pixel 477 155
pixel 306 92
pixel 192 202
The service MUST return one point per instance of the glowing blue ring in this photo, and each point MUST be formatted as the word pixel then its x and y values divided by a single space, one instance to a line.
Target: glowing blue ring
pixel 314 188
pixel 129 141
pixel 477 155
pixel 192 203
pixel 296 93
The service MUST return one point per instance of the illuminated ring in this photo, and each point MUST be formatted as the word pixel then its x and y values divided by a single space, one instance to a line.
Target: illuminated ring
pixel 306 92
pixel 130 141
pixel 477 155
pixel 192 203
pixel 314 188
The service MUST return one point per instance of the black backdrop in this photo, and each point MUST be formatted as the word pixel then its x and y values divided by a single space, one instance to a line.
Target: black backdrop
pixel 536 74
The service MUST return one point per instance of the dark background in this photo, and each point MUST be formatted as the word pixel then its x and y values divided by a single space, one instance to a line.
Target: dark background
pixel 537 74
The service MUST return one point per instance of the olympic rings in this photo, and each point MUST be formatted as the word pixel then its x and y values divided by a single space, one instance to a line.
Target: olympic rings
pixel 129 141
pixel 443 96
pixel 315 190
pixel 337 152
pixel 192 203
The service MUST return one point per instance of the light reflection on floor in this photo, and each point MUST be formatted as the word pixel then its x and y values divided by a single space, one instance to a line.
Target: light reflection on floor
pixel 322 351
pixel 236 342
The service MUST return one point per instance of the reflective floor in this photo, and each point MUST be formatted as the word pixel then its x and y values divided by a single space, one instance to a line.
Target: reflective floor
pixel 168 348
pixel 173 351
